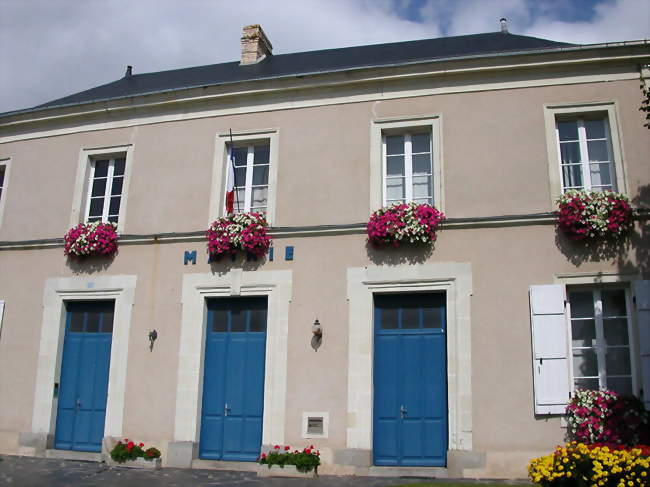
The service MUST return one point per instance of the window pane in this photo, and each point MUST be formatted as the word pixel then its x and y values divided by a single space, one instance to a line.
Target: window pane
pixel 258 319
pixel 585 363
pixel 259 196
pixel 597 150
pixel 118 169
pixel 395 189
pixel 410 317
pixel 101 169
pixel 114 207
pixel 238 321
pixel 240 154
pixel 570 152
pixel 423 201
pixel 572 176
pixel 421 186
pixel 617 361
pixel 96 207
pixel 433 312
pixel 76 322
pixel 395 144
pixel 616 331
pixel 420 143
pixel 240 176
pixel 600 174
pixel 261 154
pixel 99 187
pixel 587 384
pixel 2 176
pixel 107 322
pixel 582 304
pixel 220 320
pixel 422 164
pixel 622 385
pixel 568 130
pixel 388 317
pixel 395 166
pixel 614 302
pixel 112 218
pixel 260 175
pixel 95 219
pixel 595 129
pixel 92 321
pixel 238 204
pixel 583 333
pixel 116 189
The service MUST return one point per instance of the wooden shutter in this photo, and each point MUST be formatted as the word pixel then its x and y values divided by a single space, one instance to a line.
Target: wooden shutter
pixel 550 350
pixel 642 301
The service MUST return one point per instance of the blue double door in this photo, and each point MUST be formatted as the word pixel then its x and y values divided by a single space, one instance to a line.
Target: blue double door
pixel 233 379
pixel 81 409
pixel 410 380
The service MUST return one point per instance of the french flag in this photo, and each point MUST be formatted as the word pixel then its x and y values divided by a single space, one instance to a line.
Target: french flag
pixel 230 185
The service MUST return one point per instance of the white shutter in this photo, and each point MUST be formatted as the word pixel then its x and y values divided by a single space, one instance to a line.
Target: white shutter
pixel 642 300
pixel 550 350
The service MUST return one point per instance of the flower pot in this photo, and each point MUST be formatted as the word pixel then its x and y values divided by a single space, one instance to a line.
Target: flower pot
pixel 286 471
pixel 153 464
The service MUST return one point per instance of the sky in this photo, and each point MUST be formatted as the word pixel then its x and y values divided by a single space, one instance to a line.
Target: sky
pixel 53 48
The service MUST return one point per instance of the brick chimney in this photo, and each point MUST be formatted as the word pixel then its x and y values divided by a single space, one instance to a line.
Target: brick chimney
pixel 255 46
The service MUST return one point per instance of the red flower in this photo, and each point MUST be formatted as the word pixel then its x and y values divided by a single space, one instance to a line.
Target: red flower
pixel 307 451
pixel 286 448
pixel 130 445
pixel 141 445
pixel 126 440
pixel 263 455
pixel 277 447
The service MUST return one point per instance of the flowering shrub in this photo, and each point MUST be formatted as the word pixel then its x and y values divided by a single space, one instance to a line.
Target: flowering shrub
pixel 95 238
pixel 404 222
pixel 606 417
pixel 592 465
pixel 305 461
pixel 593 214
pixel 244 231
pixel 129 450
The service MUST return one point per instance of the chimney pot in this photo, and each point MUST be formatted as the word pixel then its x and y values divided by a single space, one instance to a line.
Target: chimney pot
pixel 504 25
pixel 129 71
pixel 255 46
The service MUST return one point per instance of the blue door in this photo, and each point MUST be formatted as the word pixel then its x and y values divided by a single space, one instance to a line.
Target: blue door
pixel 233 379
pixel 410 380
pixel 84 376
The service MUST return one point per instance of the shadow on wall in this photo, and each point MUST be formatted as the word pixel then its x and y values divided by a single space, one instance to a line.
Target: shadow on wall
pixel 406 254
pixel 88 265
pixel 636 243
pixel 238 261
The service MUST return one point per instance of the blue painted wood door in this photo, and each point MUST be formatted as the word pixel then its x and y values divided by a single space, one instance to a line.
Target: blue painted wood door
pixel 410 380
pixel 233 379
pixel 83 390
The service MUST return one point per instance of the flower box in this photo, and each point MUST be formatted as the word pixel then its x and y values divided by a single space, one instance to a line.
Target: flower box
pixel 289 471
pixel 152 464
pixel 88 239
pixel 591 215
pixel 404 223
pixel 246 232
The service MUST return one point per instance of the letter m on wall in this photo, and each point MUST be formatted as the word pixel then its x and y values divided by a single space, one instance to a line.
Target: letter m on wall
pixel 550 350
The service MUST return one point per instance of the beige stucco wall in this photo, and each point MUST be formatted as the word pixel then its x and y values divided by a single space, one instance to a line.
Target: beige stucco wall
pixel 494 161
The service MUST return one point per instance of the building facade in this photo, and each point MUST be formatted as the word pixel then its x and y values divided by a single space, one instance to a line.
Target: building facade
pixel 458 357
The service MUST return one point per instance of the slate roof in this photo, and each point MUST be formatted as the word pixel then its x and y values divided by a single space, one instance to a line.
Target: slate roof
pixel 312 62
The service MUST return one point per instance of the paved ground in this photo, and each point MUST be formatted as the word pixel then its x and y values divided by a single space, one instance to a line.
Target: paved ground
pixel 39 472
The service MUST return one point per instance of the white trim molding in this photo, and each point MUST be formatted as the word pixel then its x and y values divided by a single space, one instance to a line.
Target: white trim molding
pixel 551 114
pixel 455 278
pixel 57 291
pixel 277 286
pixel 383 126
pixel 82 181
pixel 219 173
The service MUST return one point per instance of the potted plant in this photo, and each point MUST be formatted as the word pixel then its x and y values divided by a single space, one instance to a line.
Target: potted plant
pixel 127 453
pixel 591 215
pixel 88 239
pixel 282 462
pixel 404 223
pixel 245 232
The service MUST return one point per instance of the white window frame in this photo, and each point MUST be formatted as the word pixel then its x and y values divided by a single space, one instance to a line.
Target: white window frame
pixel 250 165
pixel 555 112
pixel 6 164
pixel 220 166
pixel 109 186
pixel 378 129
pixel 600 349
pixel 83 184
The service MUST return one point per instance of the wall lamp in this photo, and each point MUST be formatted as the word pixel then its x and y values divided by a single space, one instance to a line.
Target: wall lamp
pixel 153 334
pixel 317 338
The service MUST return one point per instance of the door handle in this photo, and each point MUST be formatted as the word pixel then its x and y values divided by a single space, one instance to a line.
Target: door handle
pixel 226 409
pixel 78 405
pixel 402 412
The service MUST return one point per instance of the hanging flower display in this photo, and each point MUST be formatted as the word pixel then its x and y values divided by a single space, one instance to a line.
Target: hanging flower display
pixel 404 222
pixel 593 214
pixel 241 232
pixel 86 239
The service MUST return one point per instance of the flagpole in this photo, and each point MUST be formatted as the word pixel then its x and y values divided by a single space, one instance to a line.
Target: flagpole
pixel 234 172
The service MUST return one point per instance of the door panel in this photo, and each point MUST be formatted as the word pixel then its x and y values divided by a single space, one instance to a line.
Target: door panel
pixel 410 380
pixel 85 367
pixel 233 385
